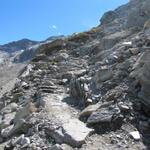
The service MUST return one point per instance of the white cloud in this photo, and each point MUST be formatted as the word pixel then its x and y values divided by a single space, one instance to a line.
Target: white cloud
pixel 54 26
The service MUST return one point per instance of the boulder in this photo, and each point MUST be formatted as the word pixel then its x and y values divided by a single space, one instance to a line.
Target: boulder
pixel 76 132
pixel 73 132
pixel 108 117
pixel 134 51
pixel 141 72
pixel 89 110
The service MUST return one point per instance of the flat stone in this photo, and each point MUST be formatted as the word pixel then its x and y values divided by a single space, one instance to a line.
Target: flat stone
pixel 75 132
pixel 135 135
pixel 89 110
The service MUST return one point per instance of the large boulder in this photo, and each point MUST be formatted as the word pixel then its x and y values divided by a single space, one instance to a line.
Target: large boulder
pixel 106 117
pixel 141 73
pixel 73 132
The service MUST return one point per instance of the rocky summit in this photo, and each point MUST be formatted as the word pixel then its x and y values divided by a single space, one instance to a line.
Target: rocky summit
pixel 87 91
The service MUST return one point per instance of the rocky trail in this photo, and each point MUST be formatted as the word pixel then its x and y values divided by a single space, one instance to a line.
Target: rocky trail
pixel 88 91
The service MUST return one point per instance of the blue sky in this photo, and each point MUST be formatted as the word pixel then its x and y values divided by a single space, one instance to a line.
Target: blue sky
pixel 40 19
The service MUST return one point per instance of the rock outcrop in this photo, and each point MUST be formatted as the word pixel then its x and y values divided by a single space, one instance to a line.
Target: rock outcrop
pixel 86 91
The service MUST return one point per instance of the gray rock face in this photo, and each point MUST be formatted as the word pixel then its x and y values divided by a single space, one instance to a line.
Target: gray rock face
pixel 142 73
pixel 78 91
pixel 18 45
pixel 139 14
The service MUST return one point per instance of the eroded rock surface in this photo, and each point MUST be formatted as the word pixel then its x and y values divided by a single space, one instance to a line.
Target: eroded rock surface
pixel 87 91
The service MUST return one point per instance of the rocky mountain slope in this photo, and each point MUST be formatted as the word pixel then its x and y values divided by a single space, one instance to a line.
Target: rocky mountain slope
pixel 88 91
pixel 17 45
pixel 23 50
